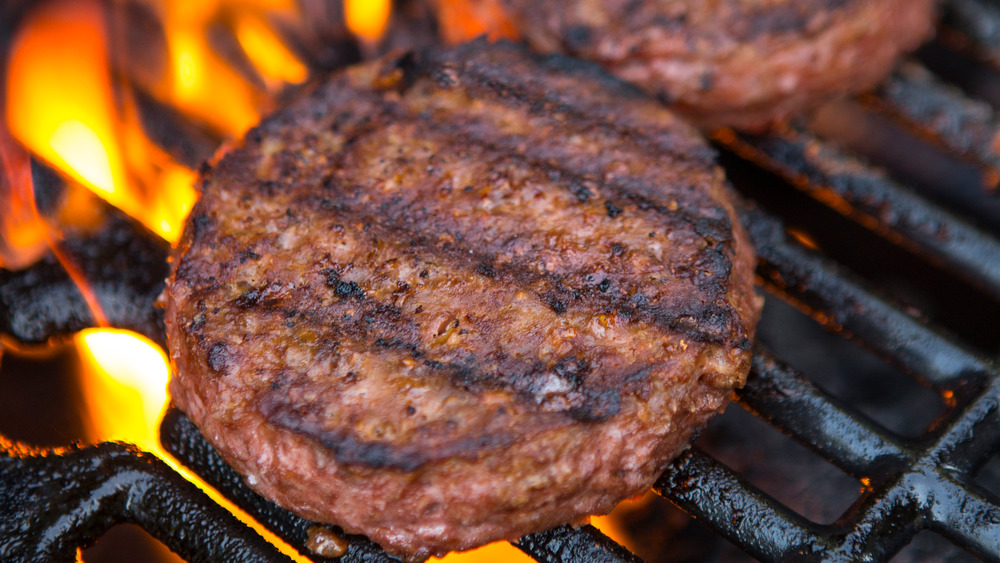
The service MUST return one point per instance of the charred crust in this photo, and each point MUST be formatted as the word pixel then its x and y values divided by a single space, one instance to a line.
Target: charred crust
pixel 248 299
pixel 200 223
pixel 219 358
pixel 486 270
pixel 347 448
pixel 555 303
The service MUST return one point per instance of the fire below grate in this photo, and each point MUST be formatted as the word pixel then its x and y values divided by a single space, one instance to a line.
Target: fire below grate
pixel 57 501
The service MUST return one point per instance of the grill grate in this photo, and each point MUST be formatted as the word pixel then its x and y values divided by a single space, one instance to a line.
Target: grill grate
pixel 909 485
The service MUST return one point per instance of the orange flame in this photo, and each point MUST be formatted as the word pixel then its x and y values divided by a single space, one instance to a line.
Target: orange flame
pixel 61 107
pixel 22 232
pixel 367 19
pixel 203 85
pixel 462 20
pixel 125 388
pixel 276 64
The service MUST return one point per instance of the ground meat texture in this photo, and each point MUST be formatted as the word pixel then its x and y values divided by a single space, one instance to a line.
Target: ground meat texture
pixel 738 63
pixel 455 296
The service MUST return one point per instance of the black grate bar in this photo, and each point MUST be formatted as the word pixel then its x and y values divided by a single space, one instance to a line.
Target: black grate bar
pixel 966 516
pixel 927 498
pixel 789 401
pixel 125 266
pixel 973 435
pixel 883 522
pixel 566 544
pixel 867 196
pixel 978 21
pixel 51 503
pixel 742 513
pixel 932 108
pixel 842 302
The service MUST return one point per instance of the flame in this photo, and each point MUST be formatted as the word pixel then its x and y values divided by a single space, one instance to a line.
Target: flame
pixel 367 19
pixel 23 234
pixel 125 387
pixel 272 58
pixel 462 20
pixel 60 106
pixel 203 85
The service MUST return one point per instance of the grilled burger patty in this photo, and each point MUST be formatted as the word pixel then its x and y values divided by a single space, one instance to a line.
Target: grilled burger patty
pixel 455 296
pixel 742 63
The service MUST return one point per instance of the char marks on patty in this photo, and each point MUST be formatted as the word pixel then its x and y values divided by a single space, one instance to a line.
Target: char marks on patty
pixel 442 259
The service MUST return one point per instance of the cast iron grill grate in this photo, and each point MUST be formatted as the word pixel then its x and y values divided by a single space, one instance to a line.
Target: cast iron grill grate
pixel 54 502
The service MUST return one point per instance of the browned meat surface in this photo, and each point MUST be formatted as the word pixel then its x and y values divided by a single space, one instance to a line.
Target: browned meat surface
pixel 741 63
pixel 456 296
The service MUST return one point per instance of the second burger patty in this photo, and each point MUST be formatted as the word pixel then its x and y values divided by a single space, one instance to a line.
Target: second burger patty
pixel 456 296
pixel 732 63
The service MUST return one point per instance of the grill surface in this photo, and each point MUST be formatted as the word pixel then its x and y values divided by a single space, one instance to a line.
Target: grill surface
pixel 56 501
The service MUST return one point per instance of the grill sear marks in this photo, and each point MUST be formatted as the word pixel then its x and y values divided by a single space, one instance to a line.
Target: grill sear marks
pixel 472 246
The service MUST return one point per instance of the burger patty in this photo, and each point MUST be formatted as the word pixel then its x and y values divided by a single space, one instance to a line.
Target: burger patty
pixel 739 63
pixel 455 296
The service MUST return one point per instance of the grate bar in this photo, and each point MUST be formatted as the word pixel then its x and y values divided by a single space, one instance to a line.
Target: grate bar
pixel 842 302
pixel 51 503
pixel 794 405
pixel 972 436
pixel 867 196
pixel 742 513
pixel 886 520
pixel 125 266
pixel 979 21
pixel 883 522
pixel 941 112
pixel 967 517
pixel 566 544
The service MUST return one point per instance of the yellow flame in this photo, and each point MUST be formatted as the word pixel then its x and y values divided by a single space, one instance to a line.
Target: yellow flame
pixel 205 87
pixel 270 56
pixel 23 233
pixel 125 388
pixel 128 387
pixel 367 18
pixel 60 103
pixel 60 106
pixel 496 552
pixel 81 149
pixel 58 95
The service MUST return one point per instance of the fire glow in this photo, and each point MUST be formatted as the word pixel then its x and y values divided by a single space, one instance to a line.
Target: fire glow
pixel 69 105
